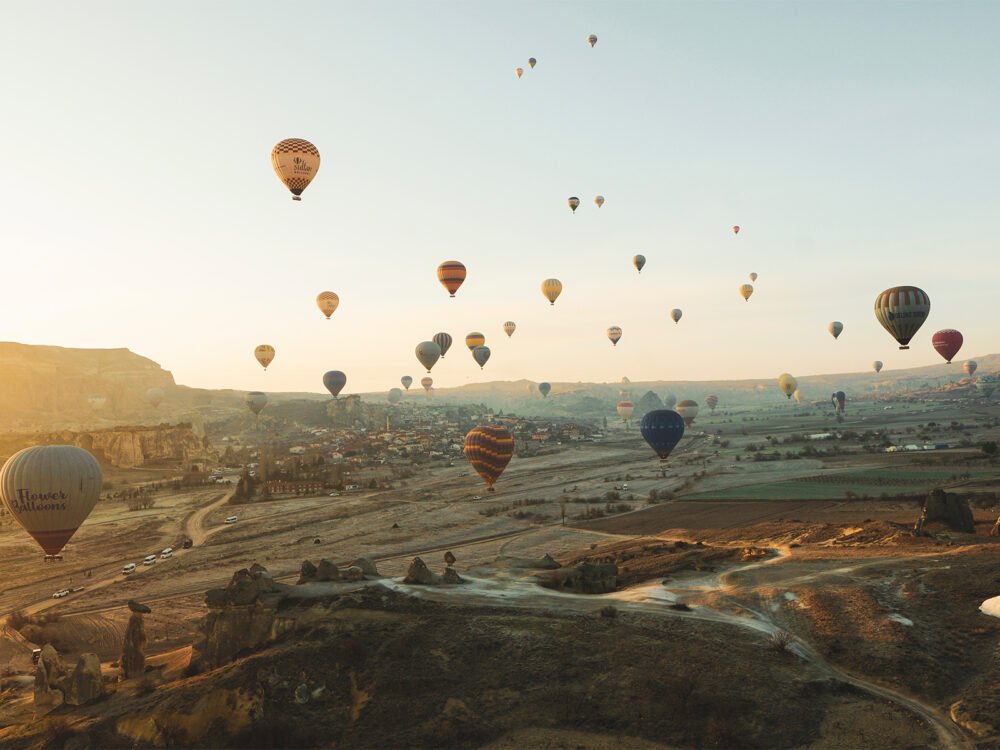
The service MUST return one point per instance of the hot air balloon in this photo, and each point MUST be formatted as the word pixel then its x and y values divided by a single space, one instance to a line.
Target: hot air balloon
pixel 787 383
pixel 394 396
pixel 532 62
pixel 970 367
pixel 519 72
pixel 264 354
pixel 531 388
pixel 50 490
pixel 736 229
pixel 675 315
pixel 877 365
pixel 426 382
pixel 592 40
pixel 334 381
pixel 614 334
pixel 712 402
pixel 902 310
pixel 670 401
pixel 797 395
pixel 638 261
pixel 327 303
pixel 482 355
pixel 745 291
pixel 986 384
pixel 428 353
pixel 544 389
pixel 443 340
pixel 552 288
pixel 296 162
pixel 155 396
pixel 451 274
pixel 97 401
pixel 626 381
pixel 688 409
pixel 489 448
pixel 407 381
pixel 839 400
pixel 753 276
pixel 663 429
pixel 947 342
pixel 509 327
pixel 835 328
pixel 255 401
pixel 474 339
pixel 573 202
pixel 625 409
pixel 599 200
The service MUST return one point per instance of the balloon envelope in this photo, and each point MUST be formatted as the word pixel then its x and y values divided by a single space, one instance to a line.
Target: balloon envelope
pixel 443 340
pixel 544 389
pixel 519 72
pixel 50 490
pixel 428 353
pixel 407 381
pixel 509 327
pixel 532 62
pixel 638 261
pixel 839 399
pixel 394 396
pixel 264 354
pixel 426 382
pixel 787 383
pixel 482 355
pixel 625 409
pixel 451 274
pixel 745 291
pixel 753 276
pixel 474 339
pixel 155 396
pixel 327 303
pixel 670 401
pixel 489 448
pixel 334 381
pixel 877 365
pixel 662 429
pixel 573 202
pixel 835 328
pixel 255 401
pixel 712 402
pixel 552 288
pixel 614 335
pixel 599 200
pixel 296 162
pixel 970 367
pixel 592 40
pixel 902 310
pixel 688 410
pixel 675 315
pixel 736 229
pixel 947 342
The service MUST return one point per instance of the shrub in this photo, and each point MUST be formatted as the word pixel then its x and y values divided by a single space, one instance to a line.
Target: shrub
pixel 781 640
pixel 609 611
pixel 17 619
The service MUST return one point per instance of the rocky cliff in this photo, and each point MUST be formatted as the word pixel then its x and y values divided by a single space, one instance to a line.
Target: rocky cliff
pixel 124 447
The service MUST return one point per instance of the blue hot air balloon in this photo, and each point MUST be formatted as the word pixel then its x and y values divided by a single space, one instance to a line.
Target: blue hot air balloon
pixel 544 389
pixel 335 381
pixel 662 429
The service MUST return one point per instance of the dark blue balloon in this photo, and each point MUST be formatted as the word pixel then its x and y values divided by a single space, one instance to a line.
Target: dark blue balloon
pixel 335 381
pixel 662 429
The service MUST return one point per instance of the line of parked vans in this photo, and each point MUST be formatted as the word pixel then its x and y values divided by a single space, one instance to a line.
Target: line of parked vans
pixel 149 560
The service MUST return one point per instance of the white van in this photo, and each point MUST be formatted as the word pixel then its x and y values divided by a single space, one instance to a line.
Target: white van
pixel 149 559
pixel 168 552
pixel 232 519
pixel 130 568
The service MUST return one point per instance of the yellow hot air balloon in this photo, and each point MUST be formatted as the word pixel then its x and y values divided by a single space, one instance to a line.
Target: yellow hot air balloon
pixel 427 382
pixel 552 288
pixel 797 395
pixel 509 327
pixel 519 72
pixel 787 383
pixel 474 339
pixel 296 162
pixel 264 354
pixel 50 490
pixel 745 291
pixel 599 200
pixel 327 303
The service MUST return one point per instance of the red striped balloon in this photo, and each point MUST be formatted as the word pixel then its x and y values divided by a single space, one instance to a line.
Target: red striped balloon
pixel 489 448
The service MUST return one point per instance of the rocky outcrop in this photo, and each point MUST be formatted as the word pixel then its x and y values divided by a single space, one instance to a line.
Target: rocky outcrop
pixel 585 578
pixel 944 509
pixel 133 660
pixel 367 567
pixel 420 575
pixel 55 685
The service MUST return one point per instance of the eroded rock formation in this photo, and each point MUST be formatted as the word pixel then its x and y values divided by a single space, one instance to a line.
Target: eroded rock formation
pixel 133 660
pixel 944 509
pixel 56 685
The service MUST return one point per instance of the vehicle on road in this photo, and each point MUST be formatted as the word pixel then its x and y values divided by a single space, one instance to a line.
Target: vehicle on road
pixel 130 568
pixel 60 594
pixel 187 544
pixel 149 560
pixel 477 497
pixel 232 519
pixel 167 553
pixel 75 589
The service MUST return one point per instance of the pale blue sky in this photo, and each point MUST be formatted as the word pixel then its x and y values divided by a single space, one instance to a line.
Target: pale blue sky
pixel 855 143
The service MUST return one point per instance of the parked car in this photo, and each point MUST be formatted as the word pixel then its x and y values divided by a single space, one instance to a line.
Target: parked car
pixel 187 544
pixel 60 594
pixel 232 519
pixel 149 560
pixel 168 552
pixel 477 497
pixel 130 568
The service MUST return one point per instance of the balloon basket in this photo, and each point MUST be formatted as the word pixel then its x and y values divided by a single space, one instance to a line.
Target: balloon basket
pixel 296 198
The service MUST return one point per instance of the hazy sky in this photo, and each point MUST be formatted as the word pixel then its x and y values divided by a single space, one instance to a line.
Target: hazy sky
pixel 855 143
